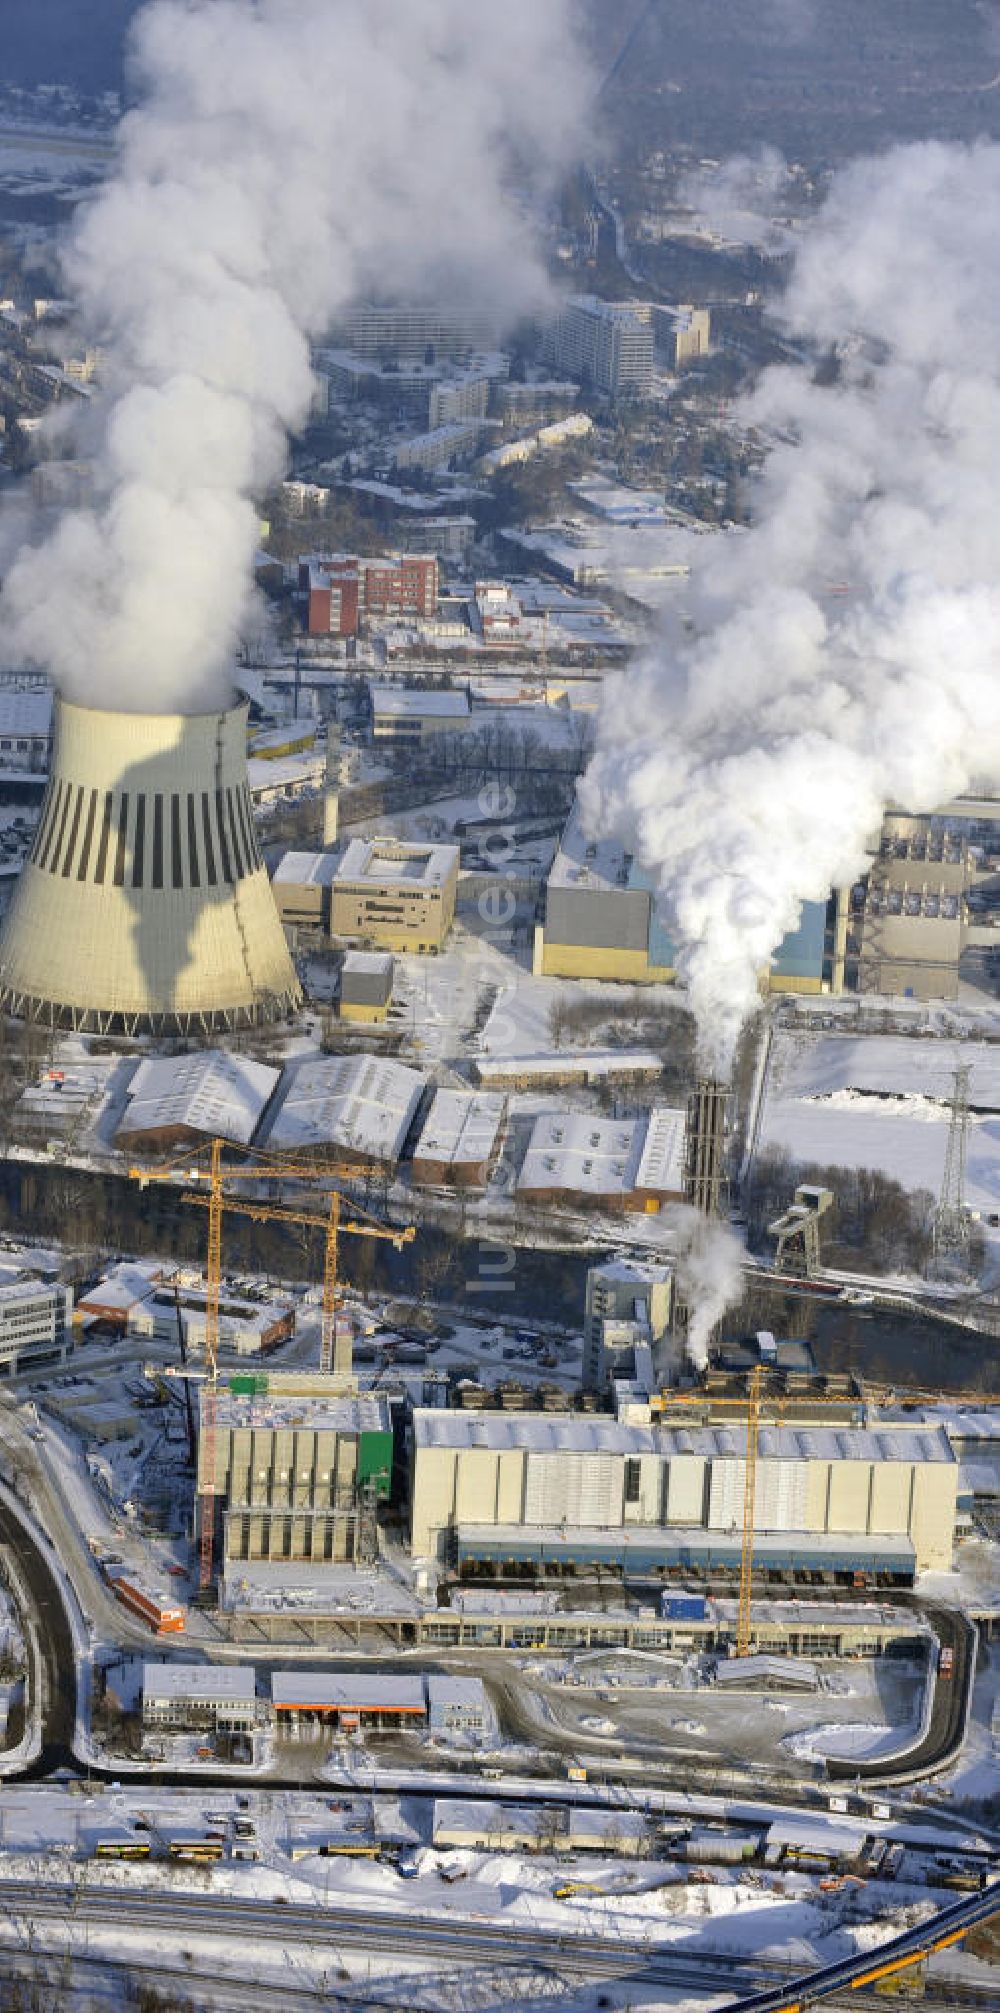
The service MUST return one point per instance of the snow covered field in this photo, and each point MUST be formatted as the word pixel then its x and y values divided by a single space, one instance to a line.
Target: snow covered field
pixel 881 1102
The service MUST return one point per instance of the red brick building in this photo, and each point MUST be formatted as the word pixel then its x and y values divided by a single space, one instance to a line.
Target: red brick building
pixel 341 592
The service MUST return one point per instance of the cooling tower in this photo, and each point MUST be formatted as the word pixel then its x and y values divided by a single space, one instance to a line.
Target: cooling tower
pixel 145 905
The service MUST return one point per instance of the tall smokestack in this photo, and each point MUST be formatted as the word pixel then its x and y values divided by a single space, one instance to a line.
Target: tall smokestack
pixel 331 787
pixel 145 905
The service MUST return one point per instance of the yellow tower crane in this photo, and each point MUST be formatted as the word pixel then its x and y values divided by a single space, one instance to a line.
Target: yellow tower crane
pixel 217 1176
pixel 749 1512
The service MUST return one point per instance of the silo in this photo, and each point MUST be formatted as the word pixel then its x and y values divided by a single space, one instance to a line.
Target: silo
pixel 145 905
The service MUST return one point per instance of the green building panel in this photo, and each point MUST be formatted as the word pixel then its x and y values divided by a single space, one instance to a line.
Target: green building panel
pixel 375 1461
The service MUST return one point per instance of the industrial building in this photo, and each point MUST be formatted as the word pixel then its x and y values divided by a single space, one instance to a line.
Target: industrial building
pixel 578 1160
pixel 628 1301
pixel 362 1105
pixel 459 1141
pixel 602 922
pixel 145 906
pixel 36 1325
pixel 606 345
pixel 193 1698
pixel 394 895
pixel 179 1101
pixel 301 884
pixel 405 717
pixel 297 1473
pixel 366 987
pixel 497 1486
pixel 927 912
pixel 245 1327
pixel 306 1700
pixel 341 592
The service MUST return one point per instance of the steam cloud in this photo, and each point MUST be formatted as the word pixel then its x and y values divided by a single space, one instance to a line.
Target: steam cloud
pixel 845 651
pixel 708 1261
pixel 287 155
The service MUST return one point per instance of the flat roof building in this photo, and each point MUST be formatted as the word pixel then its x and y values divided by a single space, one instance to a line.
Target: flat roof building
pixel 189 1697
pixel 394 895
pixel 347 1700
pixel 602 921
pixel 405 717
pixel 366 986
pixel 459 1140
pixel 301 884
pixel 36 1325
pixel 586 1472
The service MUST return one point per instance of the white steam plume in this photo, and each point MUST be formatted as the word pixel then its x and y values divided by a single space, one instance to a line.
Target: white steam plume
pixel 286 156
pixel 708 1261
pixel 845 652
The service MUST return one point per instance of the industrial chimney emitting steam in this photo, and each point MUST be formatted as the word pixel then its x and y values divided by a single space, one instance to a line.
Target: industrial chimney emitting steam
pixel 145 905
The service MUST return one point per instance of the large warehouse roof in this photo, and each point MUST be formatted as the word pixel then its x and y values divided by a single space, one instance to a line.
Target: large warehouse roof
pixel 595 1433
pixel 350 1691
pixel 578 1152
pixel 361 1103
pixel 214 1093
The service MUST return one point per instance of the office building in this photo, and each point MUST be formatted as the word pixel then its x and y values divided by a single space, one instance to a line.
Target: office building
pixel 341 593
pixel 394 895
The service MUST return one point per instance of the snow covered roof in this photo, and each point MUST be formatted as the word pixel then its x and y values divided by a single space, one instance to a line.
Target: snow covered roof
pixel 374 964
pixel 215 1093
pixel 372 861
pixel 264 1410
pixel 397 702
pixel 661 1166
pixel 306 870
pixel 443 1691
pixel 578 1152
pixel 583 861
pixel 199 1681
pixel 348 1691
pixel 363 1104
pixel 123 1287
pixel 560 1064
pixel 596 1433
pixel 460 1128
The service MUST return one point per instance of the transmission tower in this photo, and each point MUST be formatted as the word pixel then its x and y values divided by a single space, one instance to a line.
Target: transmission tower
pixel 951 1222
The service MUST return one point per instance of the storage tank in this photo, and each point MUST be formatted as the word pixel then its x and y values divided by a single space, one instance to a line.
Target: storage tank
pixel 145 905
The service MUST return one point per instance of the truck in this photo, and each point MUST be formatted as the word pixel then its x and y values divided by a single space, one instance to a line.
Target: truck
pixel 946 1662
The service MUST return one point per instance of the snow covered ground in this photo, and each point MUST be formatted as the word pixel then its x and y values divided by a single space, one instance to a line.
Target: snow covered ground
pixel 881 1102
